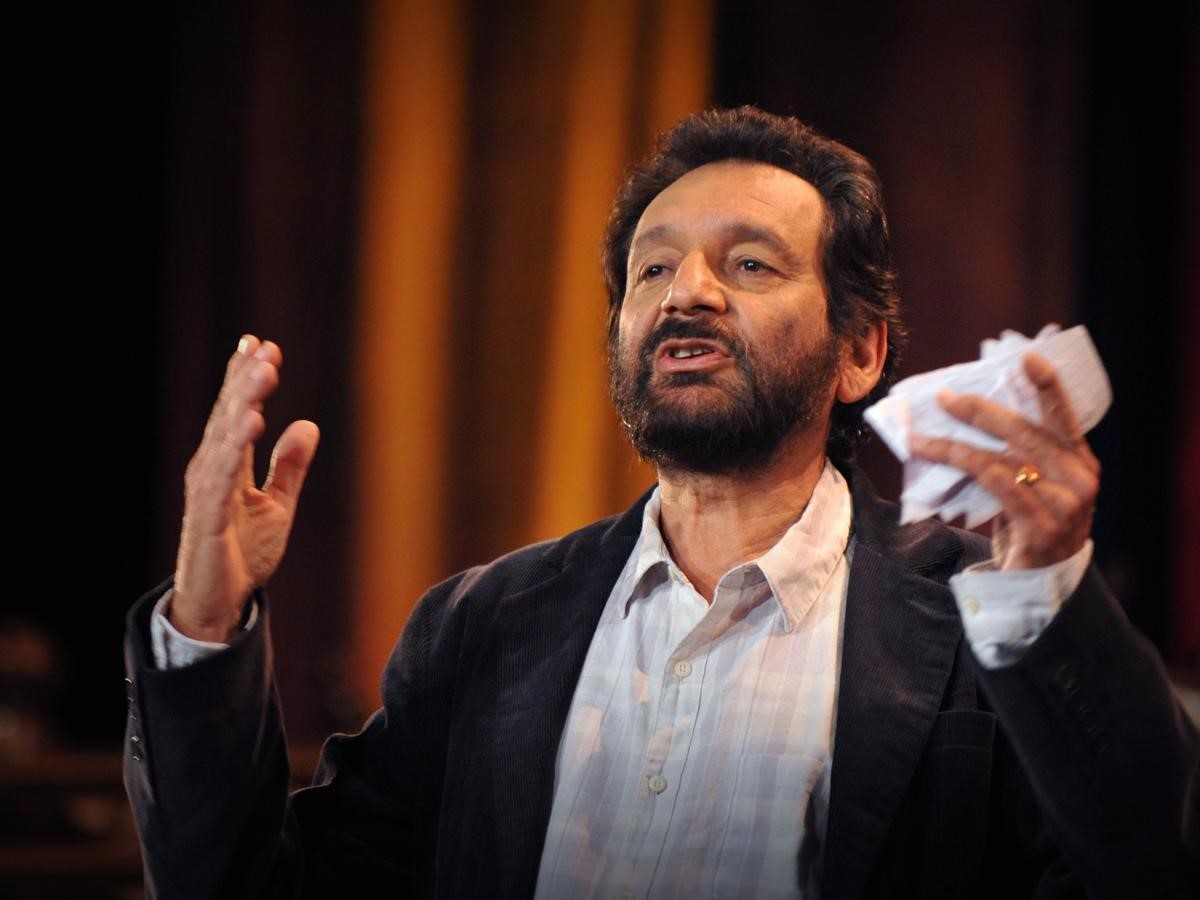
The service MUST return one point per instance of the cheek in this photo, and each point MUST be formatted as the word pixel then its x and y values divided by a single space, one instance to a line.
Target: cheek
pixel 805 322
pixel 634 323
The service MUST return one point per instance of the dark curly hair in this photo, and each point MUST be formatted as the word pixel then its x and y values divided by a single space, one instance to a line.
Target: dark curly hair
pixel 856 252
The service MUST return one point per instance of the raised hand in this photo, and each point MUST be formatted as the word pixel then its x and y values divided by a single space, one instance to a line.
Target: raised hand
pixel 1046 481
pixel 234 534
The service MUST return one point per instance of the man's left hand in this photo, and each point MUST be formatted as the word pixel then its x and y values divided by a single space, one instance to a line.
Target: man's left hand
pixel 1046 479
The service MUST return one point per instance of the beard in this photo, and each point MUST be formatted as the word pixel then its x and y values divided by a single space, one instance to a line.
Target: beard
pixel 735 431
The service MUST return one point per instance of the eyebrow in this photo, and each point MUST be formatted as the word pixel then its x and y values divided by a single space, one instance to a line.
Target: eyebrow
pixel 736 232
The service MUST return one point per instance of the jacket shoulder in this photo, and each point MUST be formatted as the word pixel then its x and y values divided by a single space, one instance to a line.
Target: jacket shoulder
pixel 527 567
pixel 469 602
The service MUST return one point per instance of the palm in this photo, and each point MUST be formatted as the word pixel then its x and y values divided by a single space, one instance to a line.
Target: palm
pixel 262 531
pixel 235 534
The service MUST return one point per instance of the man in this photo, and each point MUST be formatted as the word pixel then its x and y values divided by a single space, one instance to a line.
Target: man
pixel 753 683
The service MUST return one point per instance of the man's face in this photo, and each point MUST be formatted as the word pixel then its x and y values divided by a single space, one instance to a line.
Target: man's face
pixel 723 346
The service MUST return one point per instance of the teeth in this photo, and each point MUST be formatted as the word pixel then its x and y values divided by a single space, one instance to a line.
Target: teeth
pixel 687 354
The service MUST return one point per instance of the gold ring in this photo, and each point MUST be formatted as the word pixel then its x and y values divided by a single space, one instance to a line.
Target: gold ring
pixel 1027 475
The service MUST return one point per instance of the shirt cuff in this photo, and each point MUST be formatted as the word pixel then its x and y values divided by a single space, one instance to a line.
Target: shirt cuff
pixel 1004 612
pixel 173 649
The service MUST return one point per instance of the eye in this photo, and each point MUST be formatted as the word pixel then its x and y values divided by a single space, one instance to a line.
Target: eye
pixel 753 265
pixel 653 271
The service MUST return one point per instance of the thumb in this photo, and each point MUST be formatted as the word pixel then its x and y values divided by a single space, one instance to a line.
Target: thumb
pixel 290 460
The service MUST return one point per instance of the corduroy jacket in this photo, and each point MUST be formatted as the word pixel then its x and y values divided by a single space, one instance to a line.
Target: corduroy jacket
pixel 1072 772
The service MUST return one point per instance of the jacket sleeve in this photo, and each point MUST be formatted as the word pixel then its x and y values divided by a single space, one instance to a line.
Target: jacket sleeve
pixel 207 773
pixel 1112 758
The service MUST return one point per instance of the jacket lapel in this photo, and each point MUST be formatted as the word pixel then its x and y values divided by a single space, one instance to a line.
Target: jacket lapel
pixel 545 632
pixel 901 635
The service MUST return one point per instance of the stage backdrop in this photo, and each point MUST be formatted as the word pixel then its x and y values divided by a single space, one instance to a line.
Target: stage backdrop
pixel 408 196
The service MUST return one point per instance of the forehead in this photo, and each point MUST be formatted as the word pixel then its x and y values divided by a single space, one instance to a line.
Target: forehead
pixel 734 193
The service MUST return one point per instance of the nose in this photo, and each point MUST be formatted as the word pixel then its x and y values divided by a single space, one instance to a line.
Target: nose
pixel 694 289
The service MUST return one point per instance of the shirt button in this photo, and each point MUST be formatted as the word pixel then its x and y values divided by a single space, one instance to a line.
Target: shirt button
pixel 971 605
pixel 658 784
pixel 683 668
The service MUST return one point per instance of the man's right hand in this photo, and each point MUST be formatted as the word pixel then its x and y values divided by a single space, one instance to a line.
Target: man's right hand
pixel 234 534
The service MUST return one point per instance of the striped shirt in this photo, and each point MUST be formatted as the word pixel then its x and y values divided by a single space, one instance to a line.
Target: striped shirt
pixel 696 756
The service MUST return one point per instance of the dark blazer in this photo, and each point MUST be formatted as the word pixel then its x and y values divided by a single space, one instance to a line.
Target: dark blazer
pixel 1074 767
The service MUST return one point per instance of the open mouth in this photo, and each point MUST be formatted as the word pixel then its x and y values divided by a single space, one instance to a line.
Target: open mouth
pixel 688 352
pixel 692 355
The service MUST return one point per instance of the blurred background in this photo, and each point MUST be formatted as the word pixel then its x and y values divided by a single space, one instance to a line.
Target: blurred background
pixel 408 197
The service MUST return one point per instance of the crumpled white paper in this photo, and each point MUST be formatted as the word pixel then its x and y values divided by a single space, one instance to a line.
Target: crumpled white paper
pixel 911 407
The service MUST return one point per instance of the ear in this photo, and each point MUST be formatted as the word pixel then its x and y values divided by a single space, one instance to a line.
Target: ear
pixel 862 363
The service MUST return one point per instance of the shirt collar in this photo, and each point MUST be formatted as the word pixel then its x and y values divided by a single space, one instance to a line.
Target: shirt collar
pixel 652 561
pixel 800 565
pixel 797 568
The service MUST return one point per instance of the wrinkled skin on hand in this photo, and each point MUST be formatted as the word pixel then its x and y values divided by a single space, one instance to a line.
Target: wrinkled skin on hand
pixel 235 533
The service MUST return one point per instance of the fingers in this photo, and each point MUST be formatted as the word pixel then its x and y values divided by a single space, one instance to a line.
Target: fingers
pixel 270 352
pixel 996 473
pixel 234 535
pixel 1048 518
pixel 1058 416
pixel 251 376
pixel 293 454
pixel 224 459
pixel 1059 424
pixel 1067 460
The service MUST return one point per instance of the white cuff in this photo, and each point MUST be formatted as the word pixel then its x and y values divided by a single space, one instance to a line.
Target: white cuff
pixel 1004 612
pixel 172 649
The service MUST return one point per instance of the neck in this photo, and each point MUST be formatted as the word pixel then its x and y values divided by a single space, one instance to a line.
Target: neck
pixel 714 522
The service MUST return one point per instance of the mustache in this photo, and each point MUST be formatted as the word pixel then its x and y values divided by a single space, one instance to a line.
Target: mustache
pixel 698 329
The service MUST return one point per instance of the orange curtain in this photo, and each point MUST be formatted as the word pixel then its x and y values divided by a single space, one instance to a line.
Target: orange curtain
pixel 495 139
pixel 581 464
pixel 410 177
